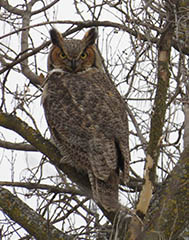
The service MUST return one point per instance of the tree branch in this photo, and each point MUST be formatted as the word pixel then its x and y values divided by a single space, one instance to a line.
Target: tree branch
pixel 156 130
pixel 17 146
pixel 48 149
pixel 157 121
pixel 19 212
pixel 45 7
pixel 49 188
pixel 25 56
pixel 10 8
pixel 44 146
pixel 169 212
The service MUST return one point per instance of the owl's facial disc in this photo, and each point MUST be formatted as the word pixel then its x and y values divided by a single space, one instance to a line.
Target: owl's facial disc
pixel 73 64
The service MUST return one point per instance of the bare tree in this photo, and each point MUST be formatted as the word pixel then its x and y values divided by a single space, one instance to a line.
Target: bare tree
pixel 145 47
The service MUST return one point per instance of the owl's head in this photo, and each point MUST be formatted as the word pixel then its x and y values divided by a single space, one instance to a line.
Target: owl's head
pixel 72 55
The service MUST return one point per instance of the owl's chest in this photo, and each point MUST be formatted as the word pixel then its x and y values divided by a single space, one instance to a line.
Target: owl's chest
pixel 72 90
pixel 71 105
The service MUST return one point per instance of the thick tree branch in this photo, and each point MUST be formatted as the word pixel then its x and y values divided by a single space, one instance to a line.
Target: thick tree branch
pixel 24 45
pixel 48 149
pixel 168 215
pixel 11 9
pixel 156 130
pixel 157 121
pixel 43 145
pixel 26 217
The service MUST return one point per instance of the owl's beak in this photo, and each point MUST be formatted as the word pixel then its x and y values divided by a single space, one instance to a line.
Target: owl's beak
pixel 73 64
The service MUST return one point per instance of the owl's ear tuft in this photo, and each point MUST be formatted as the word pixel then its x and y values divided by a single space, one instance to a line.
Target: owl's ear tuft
pixel 90 36
pixel 56 37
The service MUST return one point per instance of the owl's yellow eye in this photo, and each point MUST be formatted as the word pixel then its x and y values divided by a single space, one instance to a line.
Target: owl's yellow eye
pixel 62 55
pixel 84 55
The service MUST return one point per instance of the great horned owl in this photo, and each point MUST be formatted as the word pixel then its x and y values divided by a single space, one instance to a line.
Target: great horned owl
pixel 86 115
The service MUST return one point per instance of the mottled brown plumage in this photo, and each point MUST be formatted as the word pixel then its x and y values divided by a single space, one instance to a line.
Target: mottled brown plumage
pixel 86 115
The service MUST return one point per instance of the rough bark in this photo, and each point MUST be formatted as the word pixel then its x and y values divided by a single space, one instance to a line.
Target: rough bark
pixel 156 130
pixel 48 149
pixel 168 215
pixel 26 217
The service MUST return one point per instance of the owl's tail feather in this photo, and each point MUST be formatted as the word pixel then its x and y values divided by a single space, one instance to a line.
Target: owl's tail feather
pixel 106 192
